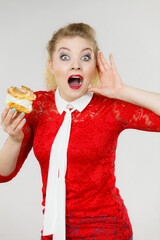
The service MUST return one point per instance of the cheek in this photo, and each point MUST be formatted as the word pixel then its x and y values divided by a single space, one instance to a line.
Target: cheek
pixel 91 71
pixel 59 70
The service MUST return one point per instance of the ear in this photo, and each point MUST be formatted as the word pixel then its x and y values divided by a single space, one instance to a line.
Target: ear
pixel 50 63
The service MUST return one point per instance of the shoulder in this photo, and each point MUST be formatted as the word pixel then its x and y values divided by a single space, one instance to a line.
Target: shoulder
pixel 42 97
pixel 112 105
pixel 112 101
pixel 102 101
pixel 43 102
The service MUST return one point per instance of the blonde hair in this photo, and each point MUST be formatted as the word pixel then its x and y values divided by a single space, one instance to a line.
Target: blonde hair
pixel 72 30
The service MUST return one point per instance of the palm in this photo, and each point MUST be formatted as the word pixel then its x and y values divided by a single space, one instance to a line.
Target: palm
pixel 110 80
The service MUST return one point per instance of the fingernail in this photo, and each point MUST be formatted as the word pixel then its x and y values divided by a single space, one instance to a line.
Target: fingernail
pixel 8 107
pixel 22 114
pixel 13 109
pixel 24 120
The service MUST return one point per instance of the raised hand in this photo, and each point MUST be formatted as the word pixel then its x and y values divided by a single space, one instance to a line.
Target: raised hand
pixel 111 83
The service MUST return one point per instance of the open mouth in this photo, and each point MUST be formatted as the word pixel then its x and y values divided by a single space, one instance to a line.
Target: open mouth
pixel 75 81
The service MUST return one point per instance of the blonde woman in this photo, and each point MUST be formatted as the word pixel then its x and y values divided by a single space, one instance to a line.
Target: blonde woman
pixel 73 129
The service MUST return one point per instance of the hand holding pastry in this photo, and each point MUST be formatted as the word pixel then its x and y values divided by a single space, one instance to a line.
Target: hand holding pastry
pixel 18 101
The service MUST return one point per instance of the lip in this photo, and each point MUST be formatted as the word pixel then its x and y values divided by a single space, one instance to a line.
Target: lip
pixel 75 75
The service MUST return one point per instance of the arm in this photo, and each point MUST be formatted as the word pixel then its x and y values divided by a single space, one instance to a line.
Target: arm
pixel 135 117
pixel 113 87
pixel 17 146
pixel 10 151
pixel 8 157
pixel 141 98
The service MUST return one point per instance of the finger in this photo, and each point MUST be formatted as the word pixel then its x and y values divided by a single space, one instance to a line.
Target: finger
pixel 4 114
pixel 8 119
pixel 15 116
pixel 96 90
pixel 99 64
pixel 20 126
pixel 16 121
pixel 104 62
pixel 112 62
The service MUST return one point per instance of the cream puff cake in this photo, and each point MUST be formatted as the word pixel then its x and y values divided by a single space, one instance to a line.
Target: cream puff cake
pixel 20 98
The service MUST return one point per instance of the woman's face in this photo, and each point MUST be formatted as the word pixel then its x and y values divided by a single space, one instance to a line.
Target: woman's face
pixel 73 65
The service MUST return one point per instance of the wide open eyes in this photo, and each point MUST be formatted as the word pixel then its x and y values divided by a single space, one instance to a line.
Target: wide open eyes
pixel 86 57
pixel 65 57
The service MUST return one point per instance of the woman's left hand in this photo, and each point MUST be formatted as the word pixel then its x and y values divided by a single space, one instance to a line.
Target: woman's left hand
pixel 111 83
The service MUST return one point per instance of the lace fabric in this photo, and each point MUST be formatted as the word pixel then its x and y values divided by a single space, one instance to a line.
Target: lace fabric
pixel 94 207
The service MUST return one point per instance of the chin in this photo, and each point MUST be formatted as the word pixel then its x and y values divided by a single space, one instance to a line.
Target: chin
pixel 73 95
pixel 78 92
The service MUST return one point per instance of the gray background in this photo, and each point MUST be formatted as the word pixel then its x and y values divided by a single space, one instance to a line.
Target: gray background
pixel 130 30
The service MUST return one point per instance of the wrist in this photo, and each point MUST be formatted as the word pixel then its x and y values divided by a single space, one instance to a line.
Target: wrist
pixel 13 140
pixel 122 93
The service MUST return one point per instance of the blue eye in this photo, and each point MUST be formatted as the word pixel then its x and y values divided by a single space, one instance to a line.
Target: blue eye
pixel 64 57
pixel 86 58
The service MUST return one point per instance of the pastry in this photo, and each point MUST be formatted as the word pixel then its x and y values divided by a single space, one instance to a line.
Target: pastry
pixel 20 98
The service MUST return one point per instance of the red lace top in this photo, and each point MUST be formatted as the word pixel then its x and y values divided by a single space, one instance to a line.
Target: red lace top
pixel 94 207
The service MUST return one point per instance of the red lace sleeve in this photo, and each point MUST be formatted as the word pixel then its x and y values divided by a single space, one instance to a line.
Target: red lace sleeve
pixel 136 117
pixel 27 142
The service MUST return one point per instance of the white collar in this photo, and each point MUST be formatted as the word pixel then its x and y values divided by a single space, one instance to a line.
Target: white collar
pixel 79 103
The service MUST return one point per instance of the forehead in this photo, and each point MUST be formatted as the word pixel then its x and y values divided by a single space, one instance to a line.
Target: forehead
pixel 78 43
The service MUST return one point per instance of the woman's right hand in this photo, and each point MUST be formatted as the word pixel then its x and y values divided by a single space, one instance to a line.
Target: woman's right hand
pixel 12 123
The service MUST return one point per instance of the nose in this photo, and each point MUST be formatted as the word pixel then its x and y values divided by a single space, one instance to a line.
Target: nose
pixel 76 65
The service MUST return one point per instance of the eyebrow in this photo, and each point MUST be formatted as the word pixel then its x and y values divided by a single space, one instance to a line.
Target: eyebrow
pixel 70 50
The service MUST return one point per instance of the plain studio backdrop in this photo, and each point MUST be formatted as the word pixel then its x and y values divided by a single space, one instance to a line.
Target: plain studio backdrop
pixel 130 30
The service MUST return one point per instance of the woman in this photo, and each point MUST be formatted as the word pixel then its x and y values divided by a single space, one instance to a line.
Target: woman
pixel 74 130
